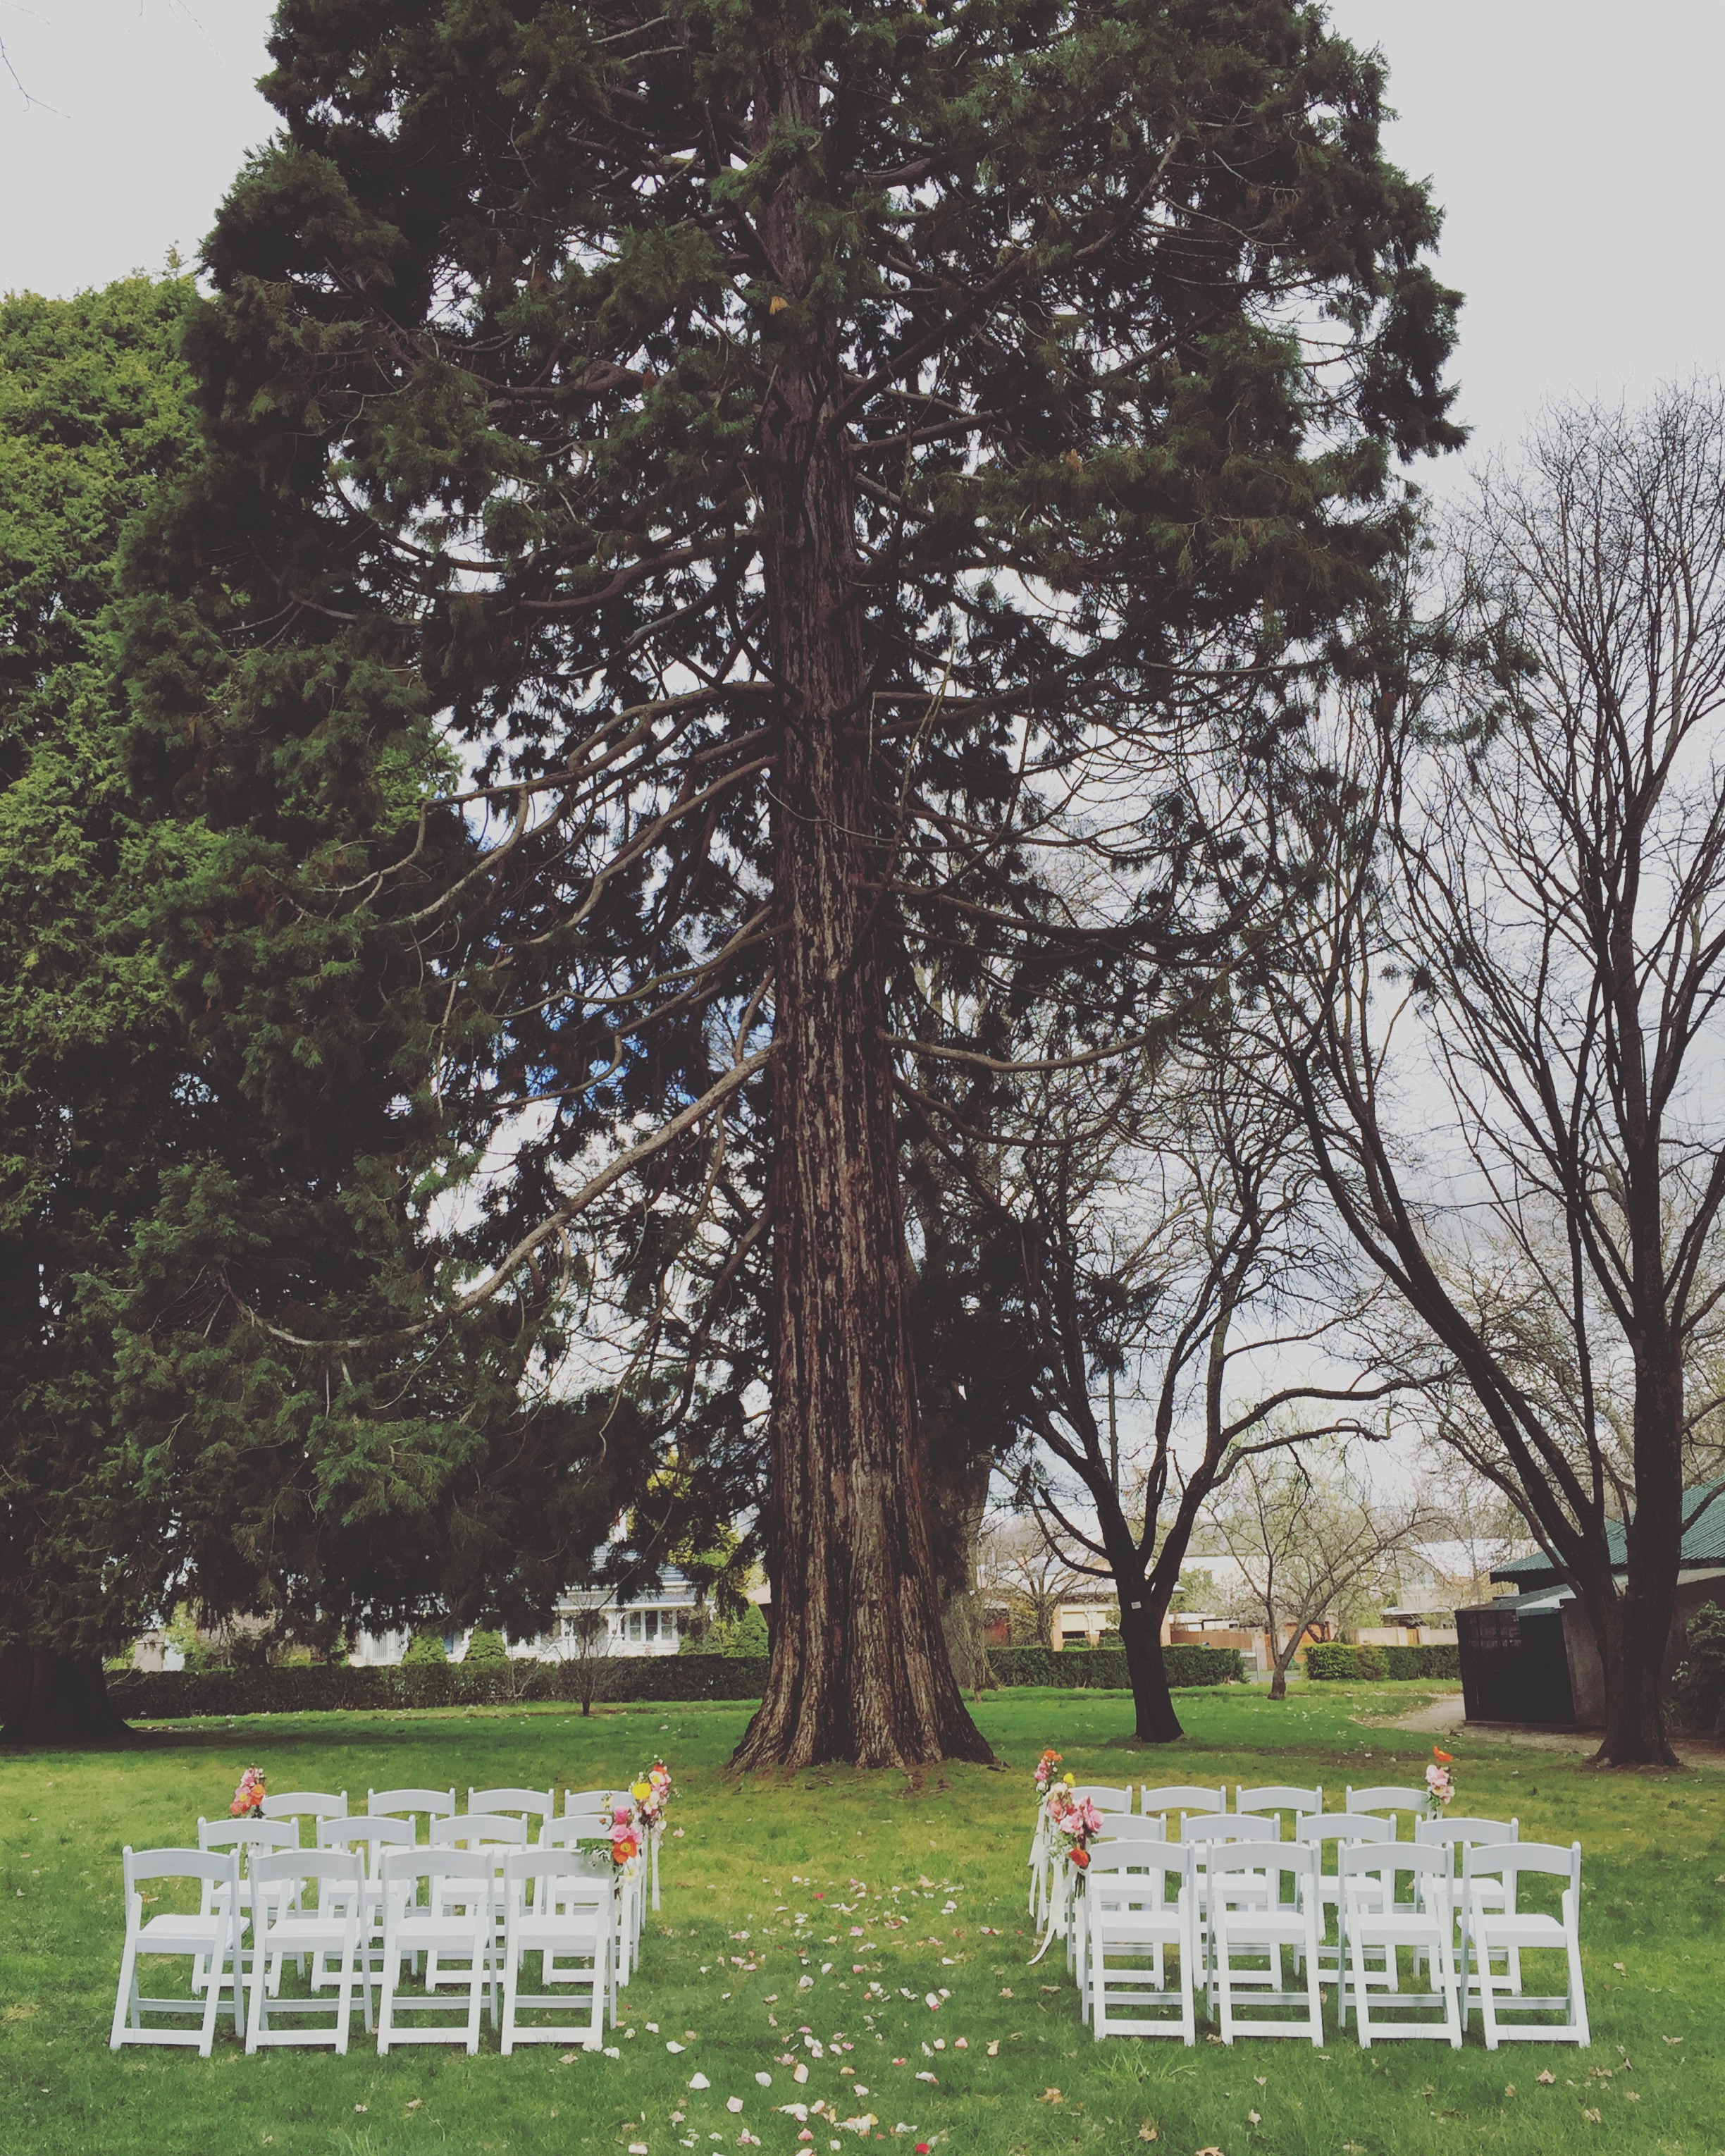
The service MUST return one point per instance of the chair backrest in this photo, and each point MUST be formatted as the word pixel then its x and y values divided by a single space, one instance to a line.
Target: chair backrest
pixel 589 1803
pixel 1506 1860
pixel 531 1804
pixel 1343 1827
pixel 407 1866
pixel 1467 1831
pixel 571 1879
pixel 1132 1833
pixel 220 1867
pixel 428 1804
pixel 479 1830
pixel 1276 1797
pixel 1180 1797
pixel 1254 1861
pixel 341 1867
pixel 1113 1881
pixel 1103 1797
pixel 306 1804
pixel 1387 1799
pixel 248 1834
pixel 590 1834
pixel 1255 1827
pixel 363 1831
pixel 1378 1862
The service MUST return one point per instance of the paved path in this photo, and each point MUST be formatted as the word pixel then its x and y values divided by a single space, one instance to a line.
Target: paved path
pixel 1447 1716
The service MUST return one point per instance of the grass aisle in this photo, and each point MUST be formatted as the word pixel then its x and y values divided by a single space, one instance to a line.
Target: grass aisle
pixel 916 1888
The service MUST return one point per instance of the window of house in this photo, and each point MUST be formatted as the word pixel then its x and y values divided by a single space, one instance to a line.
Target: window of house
pixel 634 1624
pixel 652 1624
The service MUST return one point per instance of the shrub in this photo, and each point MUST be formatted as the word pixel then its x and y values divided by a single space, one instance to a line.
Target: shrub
pixel 1698 1681
pixel 1104 1669
pixel 483 1645
pixel 164 1694
pixel 1368 1664
pixel 425 1651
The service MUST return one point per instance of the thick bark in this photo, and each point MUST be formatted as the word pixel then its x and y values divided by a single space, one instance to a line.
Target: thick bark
pixel 1156 1722
pixel 860 1669
pixel 47 1698
pixel 957 1499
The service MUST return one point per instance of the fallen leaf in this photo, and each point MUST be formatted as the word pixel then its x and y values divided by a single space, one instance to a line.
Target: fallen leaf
pixel 1262 2080
pixel 1253 2119
pixel 777 305
pixel 672 2045
pixel 1509 2088
pixel 1674 2039
pixel 995 2049
pixel 699 2081
pixel 1590 2114
pixel 1050 2096
pixel 1149 2133
pixel 733 2103
pixel 1546 2077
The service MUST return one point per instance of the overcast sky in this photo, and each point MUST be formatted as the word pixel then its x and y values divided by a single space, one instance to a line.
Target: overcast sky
pixel 1574 145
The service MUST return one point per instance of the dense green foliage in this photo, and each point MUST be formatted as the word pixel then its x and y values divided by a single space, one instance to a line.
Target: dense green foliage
pixel 94 414
pixel 1332 1660
pixel 1104 1670
pixel 1698 1681
pixel 425 1651
pixel 484 1646
pixel 1653 1846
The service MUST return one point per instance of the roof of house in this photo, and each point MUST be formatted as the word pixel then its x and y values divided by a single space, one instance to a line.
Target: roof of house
pixel 1703 1543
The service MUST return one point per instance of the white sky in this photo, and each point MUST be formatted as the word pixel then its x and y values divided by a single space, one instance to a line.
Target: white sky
pixel 1574 145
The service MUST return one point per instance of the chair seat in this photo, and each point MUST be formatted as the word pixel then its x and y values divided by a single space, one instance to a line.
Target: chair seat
pixel 1153 1927
pixel 1522 1929
pixel 313 1934
pixel 1405 1928
pixel 180 1934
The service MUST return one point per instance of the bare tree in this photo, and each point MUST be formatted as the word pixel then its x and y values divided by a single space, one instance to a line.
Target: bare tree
pixel 1017 1561
pixel 1309 1539
pixel 581 1643
pixel 1520 957
pixel 1172 1249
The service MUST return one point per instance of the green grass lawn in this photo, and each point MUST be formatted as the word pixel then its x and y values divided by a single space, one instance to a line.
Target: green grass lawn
pixel 721 1970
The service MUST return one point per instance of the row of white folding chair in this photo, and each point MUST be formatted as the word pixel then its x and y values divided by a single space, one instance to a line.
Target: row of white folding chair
pixel 552 1904
pixel 1232 1901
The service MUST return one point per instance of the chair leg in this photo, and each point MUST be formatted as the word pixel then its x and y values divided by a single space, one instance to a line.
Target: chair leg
pixel 126 2016
pixel 212 1995
pixel 1577 1993
pixel 1362 2012
pixel 257 2021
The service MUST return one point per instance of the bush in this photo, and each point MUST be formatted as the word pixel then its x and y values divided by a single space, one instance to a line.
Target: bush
pixel 483 1645
pixel 1368 1664
pixel 425 1651
pixel 164 1694
pixel 1698 1681
pixel 1104 1669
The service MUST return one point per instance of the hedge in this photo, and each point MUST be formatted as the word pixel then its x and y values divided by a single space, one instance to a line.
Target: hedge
pixel 1333 1660
pixel 165 1694
pixel 1103 1669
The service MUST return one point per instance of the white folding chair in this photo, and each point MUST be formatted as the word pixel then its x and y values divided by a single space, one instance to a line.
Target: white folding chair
pixel 1251 1925
pixel 285 1922
pixel 243 1836
pixel 1205 1834
pixel 1103 1796
pixel 1132 1844
pixel 1393 1801
pixel 1181 1799
pixel 523 1803
pixel 1373 1922
pixel 592 1804
pixel 1130 1924
pixel 368 1836
pixel 560 1910
pixel 1344 1829
pixel 206 1936
pixel 411 1803
pixel 495 1833
pixel 454 1921
pixel 1491 1929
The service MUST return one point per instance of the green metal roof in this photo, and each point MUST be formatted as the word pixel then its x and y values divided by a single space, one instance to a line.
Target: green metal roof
pixel 1703 1544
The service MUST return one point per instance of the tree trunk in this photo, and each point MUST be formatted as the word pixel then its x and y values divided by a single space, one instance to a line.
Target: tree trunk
pixel 1633 1653
pixel 859 1670
pixel 1141 1636
pixel 47 1698
pixel 957 1498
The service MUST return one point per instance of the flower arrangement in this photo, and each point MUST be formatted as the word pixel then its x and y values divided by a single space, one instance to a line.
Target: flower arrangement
pixel 1440 1783
pixel 625 1842
pixel 1046 1772
pixel 1071 1824
pixel 249 1797
pixel 653 1793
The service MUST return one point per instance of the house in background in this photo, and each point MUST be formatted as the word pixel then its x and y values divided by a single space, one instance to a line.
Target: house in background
pixel 652 1622
pixel 1529 1654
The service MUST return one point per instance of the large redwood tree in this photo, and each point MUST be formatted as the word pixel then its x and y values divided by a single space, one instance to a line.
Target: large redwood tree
pixel 784 456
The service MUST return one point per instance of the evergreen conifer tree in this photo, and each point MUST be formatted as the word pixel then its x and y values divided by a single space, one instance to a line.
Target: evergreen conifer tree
pixel 803 463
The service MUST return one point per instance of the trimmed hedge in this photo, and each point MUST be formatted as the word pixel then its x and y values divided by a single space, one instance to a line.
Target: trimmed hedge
pixel 1364 1664
pixel 1103 1669
pixel 165 1694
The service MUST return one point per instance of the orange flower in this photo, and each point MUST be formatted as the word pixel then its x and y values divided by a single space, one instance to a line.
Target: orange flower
pixel 1443 1758
pixel 1080 1857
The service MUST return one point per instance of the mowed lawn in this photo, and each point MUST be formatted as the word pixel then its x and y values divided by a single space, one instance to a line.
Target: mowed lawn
pixel 944 1853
